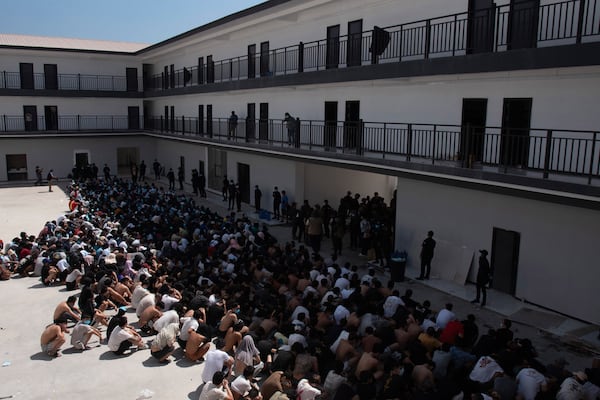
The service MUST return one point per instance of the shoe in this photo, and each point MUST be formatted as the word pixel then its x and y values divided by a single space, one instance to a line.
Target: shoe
pixel 420 278
pixel 362 255
pixel 482 304
pixel 79 345
pixel 474 301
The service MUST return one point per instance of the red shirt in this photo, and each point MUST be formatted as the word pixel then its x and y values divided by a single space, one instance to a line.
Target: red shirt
pixel 452 330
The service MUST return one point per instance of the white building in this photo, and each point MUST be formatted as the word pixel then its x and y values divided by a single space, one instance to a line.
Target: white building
pixel 484 116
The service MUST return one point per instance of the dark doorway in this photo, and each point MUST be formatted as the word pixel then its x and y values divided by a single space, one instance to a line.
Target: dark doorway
pixel 264 59
pixel 172 75
pixel 201 167
pixel 210 69
pixel 16 167
pixel 166 77
pixel 50 77
pixel 505 259
pixel 200 70
pixel 252 61
pixel 263 122
pixel 474 118
pixel 182 165
pixel 352 125
pixel 166 122
pixel 147 80
pixel 480 30
pixel 26 71
pixel 201 119
pixel 172 120
pixel 209 120
pixel 82 160
pixel 30 118
pixel 523 24
pixel 243 174
pixel 132 79
pixel 516 120
pixel 133 118
pixel 331 118
pixel 251 122
pixel 333 47
pixel 51 117
pixel 354 43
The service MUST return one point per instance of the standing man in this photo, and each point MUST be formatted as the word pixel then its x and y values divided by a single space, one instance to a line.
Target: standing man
pixel 231 189
pixel 257 197
pixel 180 177
pixel 50 178
pixel 142 171
pixel 276 203
pixel 156 168
pixel 426 256
pixel 106 171
pixel 195 181
pixel 202 184
pixel 238 197
pixel 290 124
pixel 171 177
pixel 285 205
pixel 225 188
pixel 38 175
pixel 233 121
pixel 484 276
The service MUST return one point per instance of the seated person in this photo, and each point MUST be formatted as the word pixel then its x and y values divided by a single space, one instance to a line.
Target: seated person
pixel 53 337
pixel 123 336
pixel 67 310
pixel 81 335
pixel 217 389
pixel 196 346
pixel 162 346
pixel 241 386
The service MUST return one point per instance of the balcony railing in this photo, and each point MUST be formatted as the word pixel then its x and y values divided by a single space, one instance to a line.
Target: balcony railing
pixel 545 151
pixel 496 29
pixel 14 80
pixel 68 123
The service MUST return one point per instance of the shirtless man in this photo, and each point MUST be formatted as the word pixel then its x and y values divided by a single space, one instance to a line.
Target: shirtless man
pixel 370 362
pixel 196 346
pixel 67 310
pixel 53 337
pixel 228 320
pixel 151 313
pixel 233 337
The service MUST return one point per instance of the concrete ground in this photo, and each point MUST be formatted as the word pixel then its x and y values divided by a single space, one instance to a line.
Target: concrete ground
pixel 27 307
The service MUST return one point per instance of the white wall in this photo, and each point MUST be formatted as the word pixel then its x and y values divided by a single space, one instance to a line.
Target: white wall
pixel 558 244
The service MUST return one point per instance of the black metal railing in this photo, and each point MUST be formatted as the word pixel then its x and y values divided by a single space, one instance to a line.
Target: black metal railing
pixel 495 29
pixel 546 151
pixel 84 82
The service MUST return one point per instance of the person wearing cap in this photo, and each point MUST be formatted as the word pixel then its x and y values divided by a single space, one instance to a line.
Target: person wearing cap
pixel 217 388
pixel 484 274
pixel 53 337
pixel 572 387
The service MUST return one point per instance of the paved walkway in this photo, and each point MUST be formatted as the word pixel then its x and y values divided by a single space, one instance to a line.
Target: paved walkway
pixel 27 308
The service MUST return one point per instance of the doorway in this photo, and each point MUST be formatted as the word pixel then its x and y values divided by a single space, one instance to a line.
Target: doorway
pixel 480 30
pixel 331 118
pixel 243 178
pixel 516 120
pixel 209 120
pixel 354 43
pixel 474 118
pixel 82 160
pixel 201 119
pixel 26 73
pixel 263 122
pixel 132 79
pixel 50 77
pixel 133 118
pixel 505 259
pixel 16 167
pixel 51 117
pixel 30 118
pixel 264 59
pixel 523 24
pixel 210 69
pixel 332 59
pixel 217 168
pixel 182 166
pixel 352 125
pixel 250 122
pixel 252 61
pixel 126 157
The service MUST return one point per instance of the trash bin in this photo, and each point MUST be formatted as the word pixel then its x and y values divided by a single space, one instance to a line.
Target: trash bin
pixel 398 266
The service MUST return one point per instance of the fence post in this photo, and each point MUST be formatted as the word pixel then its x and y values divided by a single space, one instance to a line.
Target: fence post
pixel 454 34
pixel 78 122
pixel 409 142
pixel 427 38
pixel 433 143
pixel 4 78
pixel 384 140
pixel 591 159
pixel 183 125
pixel 359 137
pixel 580 20
pixel 547 153
pixel 301 57
pixel 78 81
pixel 464 162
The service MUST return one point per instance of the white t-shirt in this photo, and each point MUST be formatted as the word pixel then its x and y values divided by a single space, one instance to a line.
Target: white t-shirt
pixel 188 322
pixel 484 370
pixel 529 382
pixel 241 385
pixel 212 392
pixel 78 332
pixel 340 313
pixel 306 391
pixel 298 310
pixel 391 305
pixel 138 294
pixel 443 317
pixel 333 382
pixel 117 336
pixel 215 361
pixel 570 389
pixel 169 317
pixel 146 301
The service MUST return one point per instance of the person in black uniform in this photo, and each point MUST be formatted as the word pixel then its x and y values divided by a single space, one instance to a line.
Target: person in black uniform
pixel 276 203
pixel 484 274
pixel 257 197
pixel 426 256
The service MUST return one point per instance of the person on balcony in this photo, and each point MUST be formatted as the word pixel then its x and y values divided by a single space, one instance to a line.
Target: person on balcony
pixel 233 121
pixel 290 124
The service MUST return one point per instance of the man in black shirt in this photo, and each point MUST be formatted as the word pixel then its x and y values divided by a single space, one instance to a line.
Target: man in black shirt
pixel 426 256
